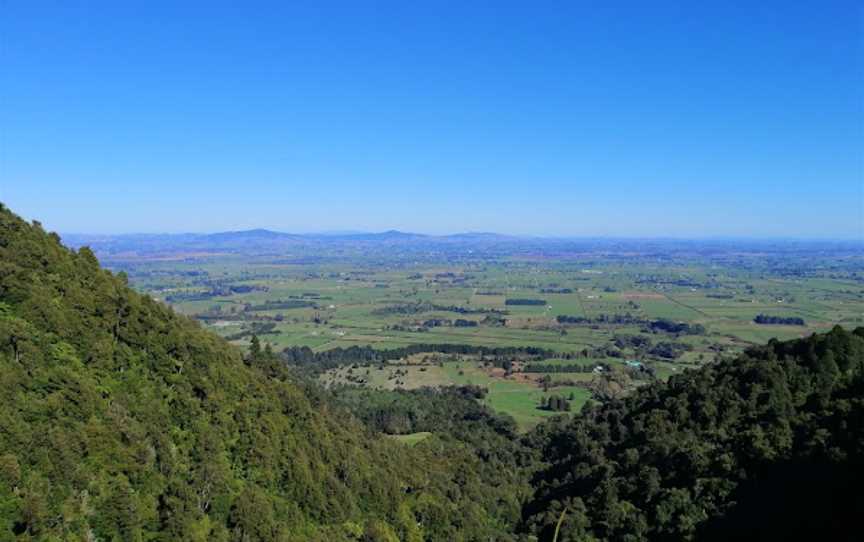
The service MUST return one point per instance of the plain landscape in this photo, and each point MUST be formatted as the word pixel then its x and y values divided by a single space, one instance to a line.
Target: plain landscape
pixel 581 318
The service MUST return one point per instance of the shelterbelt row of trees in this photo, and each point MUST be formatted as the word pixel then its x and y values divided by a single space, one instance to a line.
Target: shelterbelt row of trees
pixel 779 320
pixel 121 420
pixel 305 357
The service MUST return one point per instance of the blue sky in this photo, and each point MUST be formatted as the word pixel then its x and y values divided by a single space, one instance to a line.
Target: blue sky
pixel 686 119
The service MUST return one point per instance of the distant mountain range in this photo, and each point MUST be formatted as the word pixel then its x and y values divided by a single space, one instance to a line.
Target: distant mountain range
pixel 261 233
pixel 261 239
pixel 411 245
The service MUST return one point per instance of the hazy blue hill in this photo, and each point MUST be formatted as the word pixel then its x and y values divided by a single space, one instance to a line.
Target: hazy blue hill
pixel 480 245
pixel 482 237
pixel 244 235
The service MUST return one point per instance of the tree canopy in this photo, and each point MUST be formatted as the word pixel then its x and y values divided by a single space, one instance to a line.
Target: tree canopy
pixel 698 456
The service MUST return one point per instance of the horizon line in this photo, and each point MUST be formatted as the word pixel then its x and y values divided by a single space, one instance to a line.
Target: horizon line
pixel 517 236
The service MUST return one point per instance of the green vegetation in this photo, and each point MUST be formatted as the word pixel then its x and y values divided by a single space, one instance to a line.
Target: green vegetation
pixel 666 315
pixel 703 303
pixel 121 419
pixel 526 302
pixel 412 438
pixel 557 404
pixel 768 445
pixel 523 399
pixel 779 320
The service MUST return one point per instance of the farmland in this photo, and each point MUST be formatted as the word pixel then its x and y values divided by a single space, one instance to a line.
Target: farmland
pixel 605 322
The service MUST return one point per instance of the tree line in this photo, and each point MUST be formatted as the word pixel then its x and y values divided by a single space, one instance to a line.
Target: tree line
pixel 521 301
pixel 779 320
pixel 303 356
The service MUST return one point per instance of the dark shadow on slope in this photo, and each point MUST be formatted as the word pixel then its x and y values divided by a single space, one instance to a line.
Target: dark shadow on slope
pixel 795 500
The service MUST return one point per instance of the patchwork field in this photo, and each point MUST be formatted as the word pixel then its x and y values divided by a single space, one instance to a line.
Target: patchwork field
pixel 638 316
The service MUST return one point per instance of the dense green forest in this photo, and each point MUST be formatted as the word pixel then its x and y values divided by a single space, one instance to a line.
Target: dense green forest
pixel 766 446
pixel 120 420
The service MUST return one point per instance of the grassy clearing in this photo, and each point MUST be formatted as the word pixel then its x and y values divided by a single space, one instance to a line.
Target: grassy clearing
pixel 515 396
pixel 412 438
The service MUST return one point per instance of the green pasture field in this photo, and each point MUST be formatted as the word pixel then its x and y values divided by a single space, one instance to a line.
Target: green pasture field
pixel 411 439
pixel 517 398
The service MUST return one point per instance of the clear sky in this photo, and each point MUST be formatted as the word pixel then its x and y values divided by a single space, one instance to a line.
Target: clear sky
pixel 685 119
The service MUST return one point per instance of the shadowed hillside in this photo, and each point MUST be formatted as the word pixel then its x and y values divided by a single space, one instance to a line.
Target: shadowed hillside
pixel 766 446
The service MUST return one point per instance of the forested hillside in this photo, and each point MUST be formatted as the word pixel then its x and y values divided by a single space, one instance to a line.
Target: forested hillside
pixel 120 420
pixel 766 446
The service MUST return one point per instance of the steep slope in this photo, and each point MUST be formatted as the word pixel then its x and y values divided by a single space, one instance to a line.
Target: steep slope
pixel 120 420
pixel 766 446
